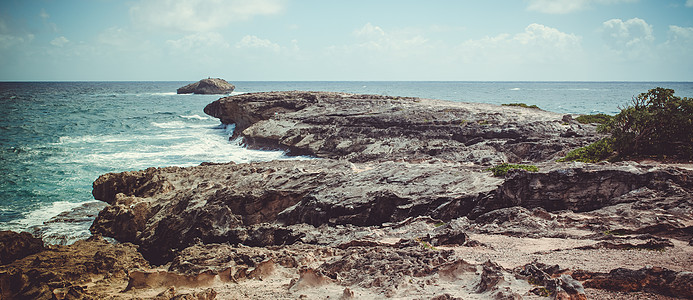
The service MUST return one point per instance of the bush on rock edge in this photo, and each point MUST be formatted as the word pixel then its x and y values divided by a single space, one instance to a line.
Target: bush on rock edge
pixel 655 124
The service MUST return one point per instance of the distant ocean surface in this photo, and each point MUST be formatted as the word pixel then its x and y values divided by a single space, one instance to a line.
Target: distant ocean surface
pixel 58 137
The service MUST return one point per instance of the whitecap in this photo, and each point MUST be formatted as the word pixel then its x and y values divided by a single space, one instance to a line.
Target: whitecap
pixel 92 139
pixel 69 226
pixel 179 125
pixel 197 117
pixel 169 125
pixel 515 89
pixel 40 215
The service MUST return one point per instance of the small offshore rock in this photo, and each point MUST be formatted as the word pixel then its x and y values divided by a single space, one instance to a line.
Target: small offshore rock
pixel 207 86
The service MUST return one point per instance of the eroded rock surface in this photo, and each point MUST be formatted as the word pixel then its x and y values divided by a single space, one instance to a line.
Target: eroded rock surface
pixel 253 203
pixel 15 245
pixel 237 203
pixel 81 270
pixel 371 127
pixel 398 204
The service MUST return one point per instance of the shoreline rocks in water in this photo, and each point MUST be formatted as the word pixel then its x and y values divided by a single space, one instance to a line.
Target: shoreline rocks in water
pixel 207 86
pixel 400 203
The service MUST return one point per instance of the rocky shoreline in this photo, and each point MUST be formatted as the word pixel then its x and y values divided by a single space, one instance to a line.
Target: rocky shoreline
pixel 398 203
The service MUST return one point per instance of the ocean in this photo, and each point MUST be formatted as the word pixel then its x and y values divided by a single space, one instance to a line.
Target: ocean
pixel 58 137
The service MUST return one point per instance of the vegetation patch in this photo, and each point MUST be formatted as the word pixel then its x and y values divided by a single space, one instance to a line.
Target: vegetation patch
pixel 592 153
pixel 656 124
pixel 502 169
pixel 590 119
pixel 522 105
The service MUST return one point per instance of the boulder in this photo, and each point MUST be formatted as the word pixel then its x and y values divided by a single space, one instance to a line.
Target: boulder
pixel 61 272
pixel 207 86
pixel 15 246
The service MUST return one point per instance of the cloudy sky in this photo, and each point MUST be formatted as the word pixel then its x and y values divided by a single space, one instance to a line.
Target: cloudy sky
pixel 490 40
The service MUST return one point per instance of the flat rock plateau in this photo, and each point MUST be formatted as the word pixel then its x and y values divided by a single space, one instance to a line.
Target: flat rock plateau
pixel 393 199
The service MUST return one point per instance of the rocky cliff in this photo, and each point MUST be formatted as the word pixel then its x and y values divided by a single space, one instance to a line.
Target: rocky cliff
pixel 254 204
pixel 397 202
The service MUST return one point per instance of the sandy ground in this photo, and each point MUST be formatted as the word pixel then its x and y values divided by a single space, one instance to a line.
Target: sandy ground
pixel 511 252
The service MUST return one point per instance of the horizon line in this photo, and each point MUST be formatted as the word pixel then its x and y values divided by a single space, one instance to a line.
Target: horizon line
pixel 556 81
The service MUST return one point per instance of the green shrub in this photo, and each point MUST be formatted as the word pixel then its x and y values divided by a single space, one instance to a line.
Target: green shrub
pixel 592 153
pixel 657 123
pixel 522 105
pixel 598 118
pixel 502 169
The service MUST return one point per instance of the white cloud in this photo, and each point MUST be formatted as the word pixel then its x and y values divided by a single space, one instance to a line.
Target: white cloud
pixel 254 42
pixel 198 40
pixel 412 53
pixel 689 3
pixel 680 40
pixel 199 15
pixel 8 39
pixel 369 31
pixel 375 41
pixel 117 37
pixel 633 37
pixel 681 33
pixel 60 41
pixel 119 41
pixel 44 15
pixel 537 44
pixel 568 6
pixel 538 34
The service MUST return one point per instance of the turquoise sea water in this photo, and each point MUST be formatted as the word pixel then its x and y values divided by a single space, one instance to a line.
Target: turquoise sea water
pixel 57 137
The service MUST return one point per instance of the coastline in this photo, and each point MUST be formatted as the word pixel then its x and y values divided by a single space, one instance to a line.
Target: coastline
pixel 546 94
pixel 399 204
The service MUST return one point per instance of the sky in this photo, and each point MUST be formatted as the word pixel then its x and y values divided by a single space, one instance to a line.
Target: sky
pixel 330 40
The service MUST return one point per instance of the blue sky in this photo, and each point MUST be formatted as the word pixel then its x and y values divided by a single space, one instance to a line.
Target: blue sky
pixel 492 40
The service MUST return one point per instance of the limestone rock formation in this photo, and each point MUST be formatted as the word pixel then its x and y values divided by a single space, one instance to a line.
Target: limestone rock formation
pixel 398 203
pixel 82 270
pixel 207 86
pixel 364 128
pixel 243 203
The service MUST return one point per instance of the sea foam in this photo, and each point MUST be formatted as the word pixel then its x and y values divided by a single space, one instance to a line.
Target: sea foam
pixel 195 117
